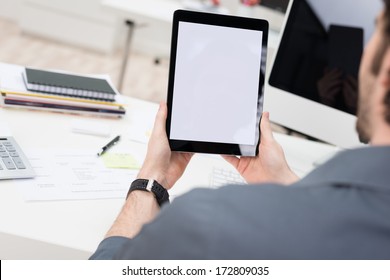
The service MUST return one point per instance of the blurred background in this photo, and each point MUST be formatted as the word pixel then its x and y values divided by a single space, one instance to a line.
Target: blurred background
pixel 89 36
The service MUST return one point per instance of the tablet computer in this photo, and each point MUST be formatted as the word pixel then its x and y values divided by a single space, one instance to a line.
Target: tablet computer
pixel 216 83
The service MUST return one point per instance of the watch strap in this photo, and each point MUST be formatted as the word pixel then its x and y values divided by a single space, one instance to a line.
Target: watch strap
pixel 153 186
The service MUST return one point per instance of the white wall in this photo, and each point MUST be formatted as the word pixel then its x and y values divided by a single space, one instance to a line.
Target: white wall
pixel 82 23
pixel 9 9
pixel 363 13
pixel 88 24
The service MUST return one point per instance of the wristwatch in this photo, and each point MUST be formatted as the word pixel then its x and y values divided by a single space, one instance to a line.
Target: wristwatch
pixel 153 186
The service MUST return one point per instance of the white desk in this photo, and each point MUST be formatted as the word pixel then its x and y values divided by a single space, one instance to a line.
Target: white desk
pixel 73 229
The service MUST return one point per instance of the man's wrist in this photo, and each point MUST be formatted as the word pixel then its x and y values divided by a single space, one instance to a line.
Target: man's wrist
pixel 140 208
pixel 151 186
pixel 139 194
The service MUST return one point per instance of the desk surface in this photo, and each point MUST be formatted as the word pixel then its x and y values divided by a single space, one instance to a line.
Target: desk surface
pixel 73 229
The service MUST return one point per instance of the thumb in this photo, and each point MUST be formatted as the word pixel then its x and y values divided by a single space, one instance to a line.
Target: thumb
pixel 161 117
pixel 265 126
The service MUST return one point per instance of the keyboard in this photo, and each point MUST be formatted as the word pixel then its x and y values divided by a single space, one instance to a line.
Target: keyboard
pixel 13 162
pixel 221 177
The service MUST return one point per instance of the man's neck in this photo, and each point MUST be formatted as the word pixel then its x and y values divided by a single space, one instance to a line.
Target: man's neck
pixel 381 136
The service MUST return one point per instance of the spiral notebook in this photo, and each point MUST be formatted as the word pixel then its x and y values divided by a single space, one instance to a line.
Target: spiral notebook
pixel 68 85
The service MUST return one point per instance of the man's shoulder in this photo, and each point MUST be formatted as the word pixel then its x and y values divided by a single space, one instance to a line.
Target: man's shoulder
pixel 238 202
pixel 246 194
pixel 274 221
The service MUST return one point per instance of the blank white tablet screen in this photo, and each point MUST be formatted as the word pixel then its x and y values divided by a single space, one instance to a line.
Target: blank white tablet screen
pixel 216 88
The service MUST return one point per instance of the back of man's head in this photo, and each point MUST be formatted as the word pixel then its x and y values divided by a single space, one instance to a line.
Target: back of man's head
pixel 373 123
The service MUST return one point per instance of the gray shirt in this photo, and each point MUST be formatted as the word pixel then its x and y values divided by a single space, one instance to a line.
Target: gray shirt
pixel 341 210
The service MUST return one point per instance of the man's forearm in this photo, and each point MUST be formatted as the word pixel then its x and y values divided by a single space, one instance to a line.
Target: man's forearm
pixel 140 208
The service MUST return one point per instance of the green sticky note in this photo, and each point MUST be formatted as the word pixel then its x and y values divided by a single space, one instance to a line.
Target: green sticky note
pixel 113 160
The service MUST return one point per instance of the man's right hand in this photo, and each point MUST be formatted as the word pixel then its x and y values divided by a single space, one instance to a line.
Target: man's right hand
pixel 160 163
pixel 269 165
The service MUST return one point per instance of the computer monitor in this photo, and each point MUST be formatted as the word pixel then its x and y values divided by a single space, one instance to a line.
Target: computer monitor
pixel 312 87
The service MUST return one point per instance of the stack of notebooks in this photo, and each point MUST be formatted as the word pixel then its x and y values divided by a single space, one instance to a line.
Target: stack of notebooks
pixel 64 92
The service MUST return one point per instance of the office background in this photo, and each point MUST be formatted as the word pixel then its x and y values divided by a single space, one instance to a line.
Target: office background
pixel 42 34
pixel 26 40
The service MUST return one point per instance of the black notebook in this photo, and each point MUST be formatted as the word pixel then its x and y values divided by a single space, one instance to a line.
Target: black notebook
pixel 68 85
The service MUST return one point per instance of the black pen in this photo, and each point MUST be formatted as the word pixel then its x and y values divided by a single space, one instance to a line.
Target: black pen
pixel 109 145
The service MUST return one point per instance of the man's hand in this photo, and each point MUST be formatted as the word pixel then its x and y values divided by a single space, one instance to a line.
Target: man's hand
pixel 161 164
pixel 330 86
pixel 350 93
pixel 270 165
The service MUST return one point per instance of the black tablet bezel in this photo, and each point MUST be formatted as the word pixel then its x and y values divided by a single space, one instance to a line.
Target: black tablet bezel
pixel 217 20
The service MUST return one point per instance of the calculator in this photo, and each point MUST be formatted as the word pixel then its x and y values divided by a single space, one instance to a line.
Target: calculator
pixel 13 162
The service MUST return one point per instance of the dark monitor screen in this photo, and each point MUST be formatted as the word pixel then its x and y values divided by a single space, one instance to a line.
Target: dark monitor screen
pixel 279 5
pixel 320 51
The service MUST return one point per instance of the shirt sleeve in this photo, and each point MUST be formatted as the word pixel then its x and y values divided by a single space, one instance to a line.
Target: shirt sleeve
pixel 109 247
pixel 188 217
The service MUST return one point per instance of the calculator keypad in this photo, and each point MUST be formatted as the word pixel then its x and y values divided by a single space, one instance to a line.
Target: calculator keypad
pixel 13 162
pixel 10 157
pixel 19 163
pixel 9 164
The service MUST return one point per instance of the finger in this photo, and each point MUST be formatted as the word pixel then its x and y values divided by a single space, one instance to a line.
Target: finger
pixel 348 88
pixel 334 82
pixel 232 160
pixel 265 126
pixel 336 73
pixel 332 72
pixel 352 81
pixel 161 117
pixel 333 92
